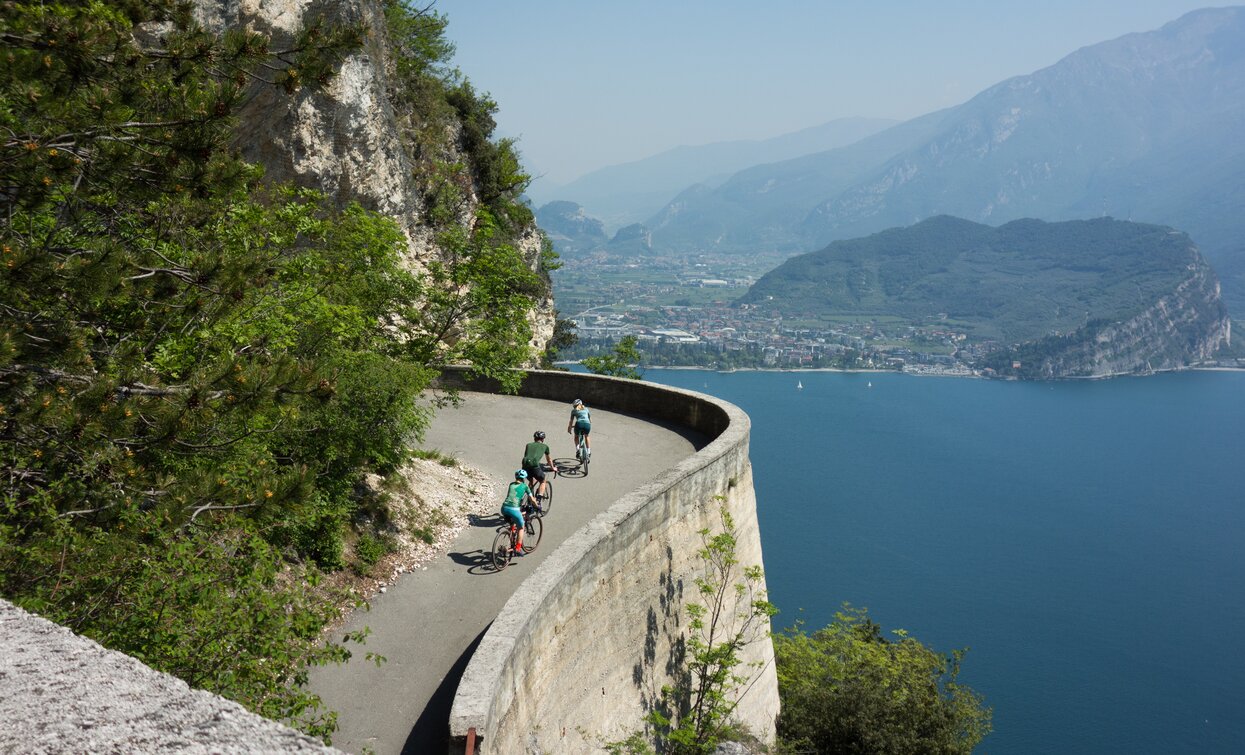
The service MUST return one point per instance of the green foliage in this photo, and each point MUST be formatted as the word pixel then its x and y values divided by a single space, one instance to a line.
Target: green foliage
pixel 195 367
pixel 622 362
pixel 1018 282
pixel 696 712
pixel 370 548
pixel 847 688
pixel 215 605
pixel 433 454
pixel 473 305
pixel 437 102
pixel 564 337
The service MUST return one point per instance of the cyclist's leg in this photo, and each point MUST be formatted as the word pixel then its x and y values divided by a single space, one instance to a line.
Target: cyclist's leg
pixel 537 474
pixel 515 517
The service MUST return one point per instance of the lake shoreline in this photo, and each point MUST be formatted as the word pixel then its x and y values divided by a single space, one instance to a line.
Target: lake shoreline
pixel 914 373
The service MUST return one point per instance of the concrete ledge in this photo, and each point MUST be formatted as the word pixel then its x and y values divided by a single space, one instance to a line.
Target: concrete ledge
pixel 63 693
pixel 579 653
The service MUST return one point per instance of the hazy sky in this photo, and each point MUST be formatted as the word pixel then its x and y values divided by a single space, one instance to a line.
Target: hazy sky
pixel 585 83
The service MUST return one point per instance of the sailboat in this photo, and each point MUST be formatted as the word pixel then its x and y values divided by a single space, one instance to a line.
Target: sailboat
pixel 799 386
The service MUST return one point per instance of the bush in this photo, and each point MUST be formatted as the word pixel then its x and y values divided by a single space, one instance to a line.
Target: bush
pixel 846 688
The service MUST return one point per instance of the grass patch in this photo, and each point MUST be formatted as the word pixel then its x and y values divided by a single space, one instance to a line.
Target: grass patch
pixel 432 454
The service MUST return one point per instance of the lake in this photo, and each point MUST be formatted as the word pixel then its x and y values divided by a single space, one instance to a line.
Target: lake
pixel 1085 539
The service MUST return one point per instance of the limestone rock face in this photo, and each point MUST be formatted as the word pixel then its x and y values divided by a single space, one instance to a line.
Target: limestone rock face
pixel 345 139
pixel 1180 329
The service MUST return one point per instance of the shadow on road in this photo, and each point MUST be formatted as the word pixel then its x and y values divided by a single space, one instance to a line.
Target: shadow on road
pixel 569 467
pixel 431 732
pixel 477 561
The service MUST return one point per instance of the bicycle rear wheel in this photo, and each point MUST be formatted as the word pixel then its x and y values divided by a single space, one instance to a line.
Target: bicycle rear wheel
pixel 500 554
pixel 586 458
pixel 533 529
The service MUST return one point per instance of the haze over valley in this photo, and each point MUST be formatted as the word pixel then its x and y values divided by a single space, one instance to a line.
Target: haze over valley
pixel 1143 128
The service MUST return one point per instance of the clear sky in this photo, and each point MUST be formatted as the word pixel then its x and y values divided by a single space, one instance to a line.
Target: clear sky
pixel 587 83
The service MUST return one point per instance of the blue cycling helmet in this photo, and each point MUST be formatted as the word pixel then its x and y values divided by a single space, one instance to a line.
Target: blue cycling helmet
pixel 521 474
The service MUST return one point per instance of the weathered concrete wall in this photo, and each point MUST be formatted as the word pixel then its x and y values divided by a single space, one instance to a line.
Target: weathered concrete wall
pixel 63 693
pixel 580 652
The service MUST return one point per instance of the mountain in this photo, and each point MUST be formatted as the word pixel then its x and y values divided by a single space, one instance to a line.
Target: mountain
pixel 631 241
pixel 1075 298
pixel 1146 126
pixel 570 229
pixel 630 192
pixel 764 206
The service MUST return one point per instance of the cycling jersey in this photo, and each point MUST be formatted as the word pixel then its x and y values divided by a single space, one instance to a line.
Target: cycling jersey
pixel 511 507
pixel 582 418
pixel 532 454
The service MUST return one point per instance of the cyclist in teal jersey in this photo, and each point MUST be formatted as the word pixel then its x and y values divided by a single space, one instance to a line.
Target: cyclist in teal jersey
pixel 581 421
pixel 512 508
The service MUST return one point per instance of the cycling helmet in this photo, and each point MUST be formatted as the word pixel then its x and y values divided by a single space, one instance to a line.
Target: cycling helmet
pixel 578 402
pixel 521 474
pixel 539 435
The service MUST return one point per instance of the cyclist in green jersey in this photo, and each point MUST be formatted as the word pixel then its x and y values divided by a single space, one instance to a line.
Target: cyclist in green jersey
pixel 512 508
pixel 532 454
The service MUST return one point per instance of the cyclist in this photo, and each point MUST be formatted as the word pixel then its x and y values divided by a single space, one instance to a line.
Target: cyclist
pixel 517 494
pixel 531 462
pixel 581 421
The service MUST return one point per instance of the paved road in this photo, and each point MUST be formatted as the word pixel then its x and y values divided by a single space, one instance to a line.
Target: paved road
pixel 429 622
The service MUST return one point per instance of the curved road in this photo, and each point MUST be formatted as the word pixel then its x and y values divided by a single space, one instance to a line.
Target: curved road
pixel 429 622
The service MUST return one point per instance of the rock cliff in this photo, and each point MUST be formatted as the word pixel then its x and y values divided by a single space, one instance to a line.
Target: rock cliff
pixel 353 138
pixel 1180 329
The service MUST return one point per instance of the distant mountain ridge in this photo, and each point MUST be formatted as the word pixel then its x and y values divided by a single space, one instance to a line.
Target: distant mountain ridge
pixel 631 192
pixel 1073 298
pixel 570 229
pixel 1146 126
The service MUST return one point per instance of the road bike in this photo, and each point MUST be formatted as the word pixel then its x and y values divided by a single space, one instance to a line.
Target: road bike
pixel 582 452
pixel 544 501
pixel 507 540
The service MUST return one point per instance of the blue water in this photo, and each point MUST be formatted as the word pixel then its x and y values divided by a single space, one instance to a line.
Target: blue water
pixel 1086 540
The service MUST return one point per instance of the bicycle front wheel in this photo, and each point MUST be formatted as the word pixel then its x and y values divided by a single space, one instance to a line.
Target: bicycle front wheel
pixel 546 500
pixel 500 554
pixel 533 529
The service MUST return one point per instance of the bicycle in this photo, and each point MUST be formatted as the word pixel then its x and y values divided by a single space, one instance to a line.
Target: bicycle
pixel 544 501
pixel 582 452
pixel 507 539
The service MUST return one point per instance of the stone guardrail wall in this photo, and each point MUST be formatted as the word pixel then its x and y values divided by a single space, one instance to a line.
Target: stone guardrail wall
pixel 580 652
pixel 60 692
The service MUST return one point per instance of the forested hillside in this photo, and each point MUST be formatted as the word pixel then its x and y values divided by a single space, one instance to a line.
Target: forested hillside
pixel 207 341
pixel 1017 285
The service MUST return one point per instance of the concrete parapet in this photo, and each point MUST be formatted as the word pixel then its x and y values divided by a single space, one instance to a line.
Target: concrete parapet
pixel 63 693
pixel 580 652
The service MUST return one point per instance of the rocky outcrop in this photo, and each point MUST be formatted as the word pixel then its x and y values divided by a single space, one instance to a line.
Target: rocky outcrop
pixel 570 228
pixel 1180 329
pixel 65 693
pixel 346 139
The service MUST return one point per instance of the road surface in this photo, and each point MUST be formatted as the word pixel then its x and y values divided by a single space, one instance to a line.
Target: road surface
pixel 428 623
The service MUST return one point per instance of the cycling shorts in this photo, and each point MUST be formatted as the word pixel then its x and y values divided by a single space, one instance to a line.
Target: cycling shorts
pixel 512 514
pixel 583 429
pixel 537 472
